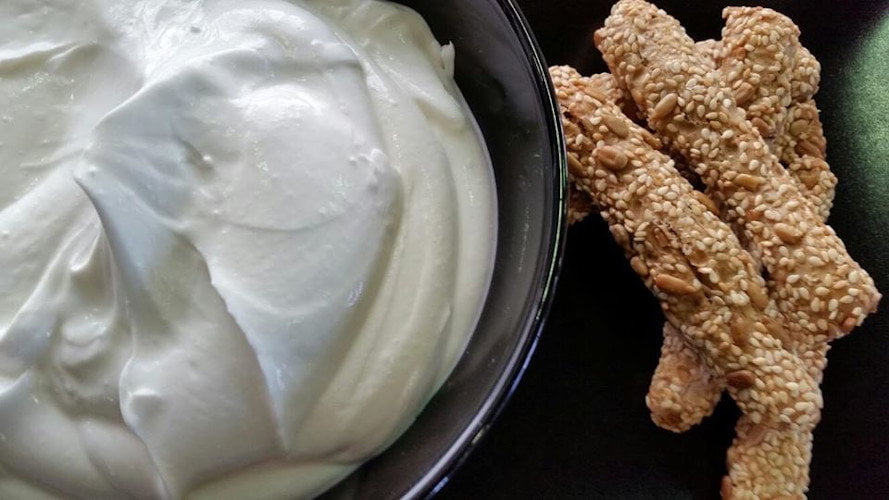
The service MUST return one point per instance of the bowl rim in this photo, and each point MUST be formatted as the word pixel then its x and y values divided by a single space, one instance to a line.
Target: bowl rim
pixel 437 476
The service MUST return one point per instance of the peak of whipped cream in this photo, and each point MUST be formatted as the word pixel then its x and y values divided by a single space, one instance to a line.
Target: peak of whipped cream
pixel 241 242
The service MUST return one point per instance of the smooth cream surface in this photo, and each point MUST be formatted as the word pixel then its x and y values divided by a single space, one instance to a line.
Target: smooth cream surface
pixel 242 242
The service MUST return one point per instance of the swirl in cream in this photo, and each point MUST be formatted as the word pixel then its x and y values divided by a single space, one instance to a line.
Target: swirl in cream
pixel 241 242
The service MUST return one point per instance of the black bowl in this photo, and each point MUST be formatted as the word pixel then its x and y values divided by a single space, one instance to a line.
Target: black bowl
pixel 504 80
pixel 578 427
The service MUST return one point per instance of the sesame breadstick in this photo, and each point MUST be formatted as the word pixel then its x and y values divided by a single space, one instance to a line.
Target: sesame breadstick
pixel 683 389
pixel 708 286
pixel 806 76
pixel 818 287
pixel 765 66
pixel 758 58
pixel 773 77
pixel 802 147
pixel 679 397
pixel 579 203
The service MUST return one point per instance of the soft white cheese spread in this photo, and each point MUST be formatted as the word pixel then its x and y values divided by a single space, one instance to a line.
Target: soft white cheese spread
pixel 242 242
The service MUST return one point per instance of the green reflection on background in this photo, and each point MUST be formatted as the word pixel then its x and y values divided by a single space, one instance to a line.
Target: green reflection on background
pixel 867 125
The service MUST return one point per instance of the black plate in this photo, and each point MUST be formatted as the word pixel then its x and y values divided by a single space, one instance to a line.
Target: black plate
pixel 578 426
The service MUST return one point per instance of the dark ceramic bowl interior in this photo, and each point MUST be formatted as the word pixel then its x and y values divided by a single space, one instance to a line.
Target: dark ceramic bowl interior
pixel 504 80
pixel 577 427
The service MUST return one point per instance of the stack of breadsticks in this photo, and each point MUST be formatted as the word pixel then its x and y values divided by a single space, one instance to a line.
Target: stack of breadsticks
pixel 751 280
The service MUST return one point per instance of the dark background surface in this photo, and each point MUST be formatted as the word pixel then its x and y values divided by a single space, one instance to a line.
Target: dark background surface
pixel 577 425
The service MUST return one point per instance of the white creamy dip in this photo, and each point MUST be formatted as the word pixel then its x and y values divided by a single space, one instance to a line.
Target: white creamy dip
pixel 242 242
